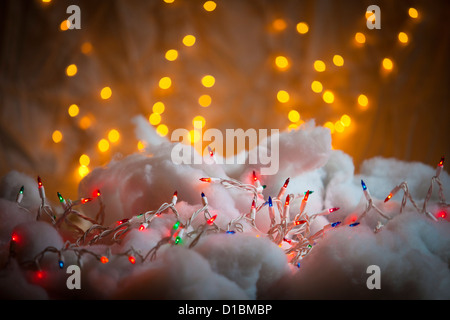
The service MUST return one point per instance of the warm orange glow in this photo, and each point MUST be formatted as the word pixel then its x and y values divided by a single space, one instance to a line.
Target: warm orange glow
pixel 294 116
pixel 85 122
pixel 282 62
pixel 73 110
pixel 319 66
pixel 360 37
pixel 205 100
pixel 169 1
pixel 57 136
pixel 162 130
pixel 209 6
pixel 189 40
pixel 328 97
pixel 64 25
pixel 71 70
pixel 171 55
pixel 165 83
pixel 103 145
pixel 283 96
pixel 106 93
pixel 316 86
pixel 302 27
pixel 86 48
pixel 113 135
pixel 292 126
pixel 279 24
pixel 158 107
pixel 208 81
pixel 154 119
pixel 338 60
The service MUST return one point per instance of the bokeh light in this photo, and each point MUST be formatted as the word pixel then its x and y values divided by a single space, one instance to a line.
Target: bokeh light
pixel 283 96
pixel 73 110
pixel 205 100
pixel 302 27
pixel 106 93
pixel 57 136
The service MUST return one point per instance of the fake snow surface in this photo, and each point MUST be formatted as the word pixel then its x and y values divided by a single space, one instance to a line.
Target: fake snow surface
pixel 412 251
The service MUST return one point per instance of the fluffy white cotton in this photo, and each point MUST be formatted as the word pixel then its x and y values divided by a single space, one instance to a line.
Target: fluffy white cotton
pixel 411 250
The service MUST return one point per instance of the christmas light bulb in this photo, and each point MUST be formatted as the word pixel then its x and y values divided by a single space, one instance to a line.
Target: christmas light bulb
pixel 177 240
pixel 440 166
pixel 286 203
pixel 61 264
pixel 175 198
pixel 20 195
pixel 271 210
pixel 363 185
pixel 283 189
pixel 333 210
pixel 62 201
pixel 85 200
pixel 392 193
pixel 334 224
pixel 176 225
pixel 143 226
pixel 204 199
pixel 211 221
pixel 41 188
pixel 40 274
pixel 132 259
pixel 97 193
pixel 299 222
pixel 14 237
pixel 205 179
pixel 122 221
pixel 270 202
pixel 354 224
pixel 104 259
pixel 255 178
pixel 304 201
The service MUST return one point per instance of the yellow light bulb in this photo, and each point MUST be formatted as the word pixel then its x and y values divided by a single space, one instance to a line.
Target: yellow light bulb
pixel 162 130
pixel 363 101
pixel 282 62
pixel 158 107
pixel 71 70
pixel 103 145
pixel 57 136
pixel 73 110
pixel 113 135
pixel 338 60
pixel 339 127
pixel 403 37
pixel 293 116
pixel 360 38
pixel 328 97
pixel 346 120
pixel 84 160
pixel 205 100
pixel 198 122
pixel 106 93
pixel 283 96
pixel 209 6
pixel 189 40
pixel 413 13
pixel 316 86
pixel 387 64
pixel 165 83
pixel 319 66
pixel 208 81
pixel 141 145
pixel 154 119
pixel 194 136
pixel 329 125
pixel 171 55
pixel 83 171
pixel 302 27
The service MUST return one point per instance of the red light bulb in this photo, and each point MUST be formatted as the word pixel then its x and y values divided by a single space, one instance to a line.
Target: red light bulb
pixel 104 259
pixel 205 179
pixel 132 259
pixel 210 221
pixel 287 200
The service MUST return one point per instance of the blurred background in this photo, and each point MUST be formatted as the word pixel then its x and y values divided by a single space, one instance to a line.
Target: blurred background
pixel 68 96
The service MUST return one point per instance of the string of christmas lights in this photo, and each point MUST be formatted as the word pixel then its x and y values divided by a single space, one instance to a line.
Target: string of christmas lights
pixel 292 235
